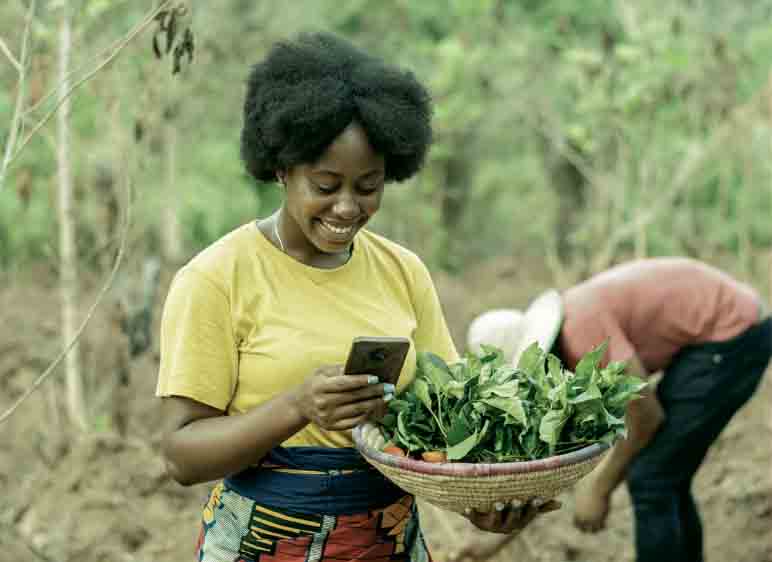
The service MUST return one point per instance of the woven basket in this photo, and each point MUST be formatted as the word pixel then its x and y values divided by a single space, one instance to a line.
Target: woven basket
pixel 457 486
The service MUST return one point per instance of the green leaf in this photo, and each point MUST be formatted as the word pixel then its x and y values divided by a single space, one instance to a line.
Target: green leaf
pixel 460 429
pixel 624 389
pixel 591 393
pixel 389 420
pixel 492 388
pixel 398 404
pixel 530 359
pixel 554 370
pixel 512 406
pixel 421 389
pixel 455 389
pixel 492 355
pixel 435 370
pixel 559 394
pixel 459 371
pixel 462 449
pixel 590 361
pixel 550 426
pixel 613 421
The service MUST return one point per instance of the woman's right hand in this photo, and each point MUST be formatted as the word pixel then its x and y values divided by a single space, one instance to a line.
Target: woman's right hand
pixel 335 401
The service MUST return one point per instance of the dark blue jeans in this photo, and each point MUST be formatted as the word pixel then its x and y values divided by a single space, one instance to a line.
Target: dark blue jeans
pixel 700 391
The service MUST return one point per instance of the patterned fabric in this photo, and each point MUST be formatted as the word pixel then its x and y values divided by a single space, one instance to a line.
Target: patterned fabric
pixel 237 529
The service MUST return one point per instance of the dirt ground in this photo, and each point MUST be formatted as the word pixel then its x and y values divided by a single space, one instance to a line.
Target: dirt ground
pixel 103 498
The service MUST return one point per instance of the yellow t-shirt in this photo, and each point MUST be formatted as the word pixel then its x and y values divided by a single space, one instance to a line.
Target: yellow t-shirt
pixel 244 322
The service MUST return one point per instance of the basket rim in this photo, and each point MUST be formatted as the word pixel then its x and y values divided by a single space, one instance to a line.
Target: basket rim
pixel 464 469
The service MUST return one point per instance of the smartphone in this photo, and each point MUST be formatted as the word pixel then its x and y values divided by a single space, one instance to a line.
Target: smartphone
pixel 379 356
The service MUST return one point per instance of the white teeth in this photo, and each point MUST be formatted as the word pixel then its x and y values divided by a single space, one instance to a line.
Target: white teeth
pixel 338 230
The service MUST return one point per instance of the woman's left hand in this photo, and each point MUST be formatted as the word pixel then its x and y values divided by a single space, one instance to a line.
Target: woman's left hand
pixel 510 518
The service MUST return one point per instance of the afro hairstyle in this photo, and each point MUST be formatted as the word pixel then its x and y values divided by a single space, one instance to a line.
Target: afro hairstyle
pixel 308 90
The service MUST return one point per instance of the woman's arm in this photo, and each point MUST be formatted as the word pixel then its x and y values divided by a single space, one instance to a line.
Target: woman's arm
pixel 201 443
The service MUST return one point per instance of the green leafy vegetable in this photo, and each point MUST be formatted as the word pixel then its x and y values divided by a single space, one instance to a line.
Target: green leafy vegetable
pixel 482 409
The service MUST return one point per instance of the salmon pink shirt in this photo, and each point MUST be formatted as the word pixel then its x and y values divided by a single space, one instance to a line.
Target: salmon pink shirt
pixel 653 308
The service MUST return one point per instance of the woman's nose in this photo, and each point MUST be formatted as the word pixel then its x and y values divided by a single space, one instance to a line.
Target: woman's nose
pixel 346 206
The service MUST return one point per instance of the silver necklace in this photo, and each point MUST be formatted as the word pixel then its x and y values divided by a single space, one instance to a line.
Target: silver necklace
pixel 276 233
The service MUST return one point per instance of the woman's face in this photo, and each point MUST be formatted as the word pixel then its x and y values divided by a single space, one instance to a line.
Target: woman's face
pixel 328 201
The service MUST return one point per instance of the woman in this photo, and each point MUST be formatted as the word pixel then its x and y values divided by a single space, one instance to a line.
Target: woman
pixel 256 327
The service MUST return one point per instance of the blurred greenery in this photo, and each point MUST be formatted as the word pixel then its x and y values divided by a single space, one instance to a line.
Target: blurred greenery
pixel 576 133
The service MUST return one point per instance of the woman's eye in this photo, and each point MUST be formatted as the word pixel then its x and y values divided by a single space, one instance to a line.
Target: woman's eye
pixel 370 187
pixel 325 188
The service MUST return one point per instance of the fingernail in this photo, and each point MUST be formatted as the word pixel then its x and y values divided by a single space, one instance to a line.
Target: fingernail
pixel 538 502
pixel 388 388
pixel 517 504
pixel 388 397
pixel 467 511
pixel 372 379
pixel 499 506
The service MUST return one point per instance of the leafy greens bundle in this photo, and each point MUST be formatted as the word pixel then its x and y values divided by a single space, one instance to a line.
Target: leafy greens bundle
pixel 482 409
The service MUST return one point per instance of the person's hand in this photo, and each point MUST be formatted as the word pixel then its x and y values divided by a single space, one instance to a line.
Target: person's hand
pixel 335 401
pixel 510 518
pixel 592 507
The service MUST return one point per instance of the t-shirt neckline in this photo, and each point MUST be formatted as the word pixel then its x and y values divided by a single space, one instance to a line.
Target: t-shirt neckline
pixel 318 274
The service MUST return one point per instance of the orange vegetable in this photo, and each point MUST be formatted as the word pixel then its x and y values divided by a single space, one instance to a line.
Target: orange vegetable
pixel 434 456
pixel 394 450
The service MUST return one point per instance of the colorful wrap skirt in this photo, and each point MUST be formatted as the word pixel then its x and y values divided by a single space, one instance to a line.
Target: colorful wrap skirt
pixel 279 512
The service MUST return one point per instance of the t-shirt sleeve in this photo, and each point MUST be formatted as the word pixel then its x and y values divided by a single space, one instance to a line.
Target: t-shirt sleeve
pixel 198 348
pixel 432 333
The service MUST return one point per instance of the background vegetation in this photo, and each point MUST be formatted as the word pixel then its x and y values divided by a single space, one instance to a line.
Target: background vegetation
pixel 574 133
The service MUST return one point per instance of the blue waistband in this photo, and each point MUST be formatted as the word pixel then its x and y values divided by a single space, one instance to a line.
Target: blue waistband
pixel 316 458
pixel 345 484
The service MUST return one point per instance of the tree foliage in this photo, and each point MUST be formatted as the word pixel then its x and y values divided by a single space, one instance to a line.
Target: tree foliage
pixel 578 133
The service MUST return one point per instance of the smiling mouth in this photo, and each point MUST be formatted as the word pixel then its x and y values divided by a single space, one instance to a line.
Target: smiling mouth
pixel 338 232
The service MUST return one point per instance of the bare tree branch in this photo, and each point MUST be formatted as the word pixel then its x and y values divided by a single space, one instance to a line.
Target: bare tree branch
pixel 13 131
pixel 102 292
pixel 696 155
pixel 7 52
pixel 12 154
pixel 76 70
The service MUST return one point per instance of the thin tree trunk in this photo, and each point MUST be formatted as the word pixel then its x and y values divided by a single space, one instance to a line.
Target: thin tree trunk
pixel 68 281
pixel 170 222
